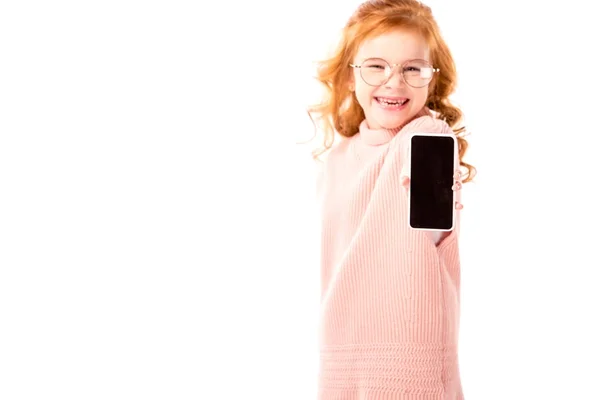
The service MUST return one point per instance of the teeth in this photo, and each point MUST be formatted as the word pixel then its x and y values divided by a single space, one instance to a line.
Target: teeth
pixel 391 102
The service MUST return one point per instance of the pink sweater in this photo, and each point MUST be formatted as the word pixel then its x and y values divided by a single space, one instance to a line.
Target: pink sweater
pixel 389 295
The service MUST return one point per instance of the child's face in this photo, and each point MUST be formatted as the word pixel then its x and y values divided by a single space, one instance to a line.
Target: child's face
pixel 404 101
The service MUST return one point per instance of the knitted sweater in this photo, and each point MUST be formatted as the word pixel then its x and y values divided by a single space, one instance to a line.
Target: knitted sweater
pixel 389 294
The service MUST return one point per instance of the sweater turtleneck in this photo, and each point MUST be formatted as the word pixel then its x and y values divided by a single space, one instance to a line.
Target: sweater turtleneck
pixel 377 137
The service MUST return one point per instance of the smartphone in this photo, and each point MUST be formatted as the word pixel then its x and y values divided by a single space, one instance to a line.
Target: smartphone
pixel 432 166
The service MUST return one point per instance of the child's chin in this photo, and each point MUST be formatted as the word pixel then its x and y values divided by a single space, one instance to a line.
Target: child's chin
pixel 392 123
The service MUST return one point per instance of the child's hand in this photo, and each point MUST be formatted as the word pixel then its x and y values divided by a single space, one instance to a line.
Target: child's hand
pixel 405 180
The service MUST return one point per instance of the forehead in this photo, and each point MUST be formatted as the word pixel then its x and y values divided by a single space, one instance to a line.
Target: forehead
pixel 395 47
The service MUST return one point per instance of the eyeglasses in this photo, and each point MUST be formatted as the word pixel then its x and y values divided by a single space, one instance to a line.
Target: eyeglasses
pixel 415 73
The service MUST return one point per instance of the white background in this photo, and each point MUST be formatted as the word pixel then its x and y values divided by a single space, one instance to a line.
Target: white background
pixel 158 228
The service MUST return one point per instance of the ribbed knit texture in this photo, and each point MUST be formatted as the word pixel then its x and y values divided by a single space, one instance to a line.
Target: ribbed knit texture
pixel 390 296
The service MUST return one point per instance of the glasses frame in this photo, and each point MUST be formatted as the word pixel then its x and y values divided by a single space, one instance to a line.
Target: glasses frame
pixel 392 68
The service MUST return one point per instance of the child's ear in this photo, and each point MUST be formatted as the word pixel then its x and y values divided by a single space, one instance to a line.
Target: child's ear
pixel 351 86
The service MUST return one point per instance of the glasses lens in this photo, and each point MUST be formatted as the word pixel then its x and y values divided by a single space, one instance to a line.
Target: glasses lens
pixel 375 71
pixel 417 73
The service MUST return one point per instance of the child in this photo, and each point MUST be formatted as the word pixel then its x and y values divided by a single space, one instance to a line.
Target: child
pixel 390 294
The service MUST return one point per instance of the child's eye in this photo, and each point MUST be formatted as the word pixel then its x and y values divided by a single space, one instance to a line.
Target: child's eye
pixel 412 69
pixel 376 66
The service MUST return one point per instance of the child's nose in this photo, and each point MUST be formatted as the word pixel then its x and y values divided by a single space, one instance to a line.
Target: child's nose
pixel 396 79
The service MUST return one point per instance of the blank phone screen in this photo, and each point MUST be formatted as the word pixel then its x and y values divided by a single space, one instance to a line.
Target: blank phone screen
pixel 431 180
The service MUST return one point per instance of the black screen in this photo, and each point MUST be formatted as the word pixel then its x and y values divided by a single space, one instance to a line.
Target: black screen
pixel 431 180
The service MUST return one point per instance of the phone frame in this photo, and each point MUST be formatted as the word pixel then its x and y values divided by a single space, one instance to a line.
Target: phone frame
pixel 409 166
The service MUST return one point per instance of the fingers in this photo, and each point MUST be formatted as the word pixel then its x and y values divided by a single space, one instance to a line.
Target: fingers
pixel 457 180
pixel 457 186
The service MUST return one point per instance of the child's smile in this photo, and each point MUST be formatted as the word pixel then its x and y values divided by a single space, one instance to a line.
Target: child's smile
pixel 392 103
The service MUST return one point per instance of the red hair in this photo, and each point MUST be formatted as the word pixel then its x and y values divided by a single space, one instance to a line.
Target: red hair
pixel 340 111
